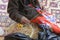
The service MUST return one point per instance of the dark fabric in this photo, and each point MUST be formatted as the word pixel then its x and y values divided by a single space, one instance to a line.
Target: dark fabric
pixel 16 9
pixel 17 36
pixel 47 34
pixel 44 34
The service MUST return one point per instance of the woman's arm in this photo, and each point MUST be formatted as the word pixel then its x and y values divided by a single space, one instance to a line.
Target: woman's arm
pixel 13 11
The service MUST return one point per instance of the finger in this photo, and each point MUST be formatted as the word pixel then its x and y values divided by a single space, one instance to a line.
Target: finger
pixel 27 21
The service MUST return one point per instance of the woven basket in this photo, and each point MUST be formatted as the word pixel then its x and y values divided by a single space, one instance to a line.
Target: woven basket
pixel 27 29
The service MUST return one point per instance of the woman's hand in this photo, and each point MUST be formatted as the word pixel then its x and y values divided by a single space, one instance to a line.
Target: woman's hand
pixel 24 20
